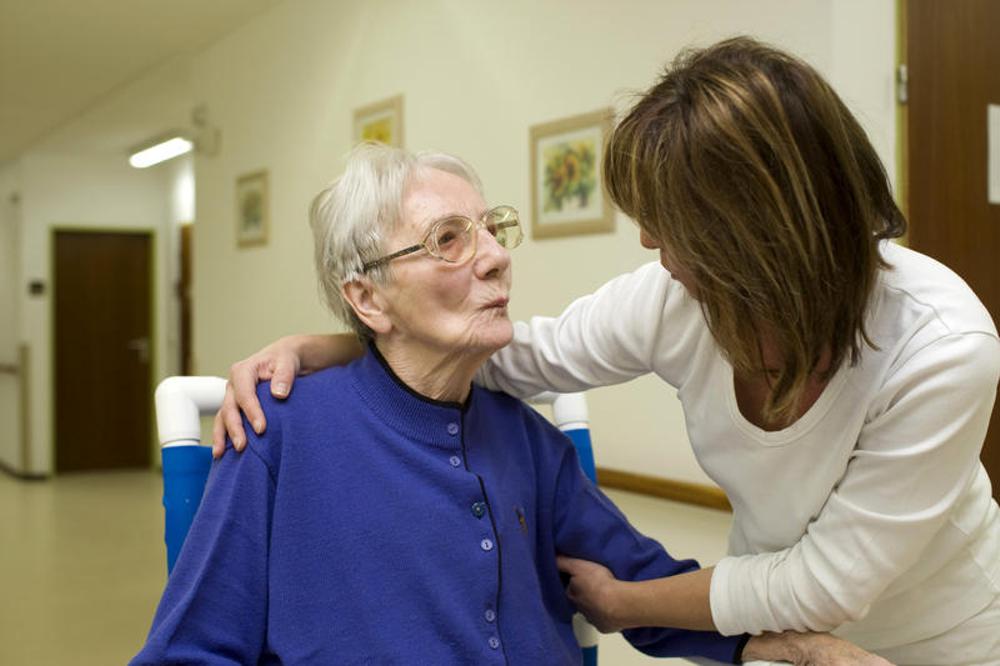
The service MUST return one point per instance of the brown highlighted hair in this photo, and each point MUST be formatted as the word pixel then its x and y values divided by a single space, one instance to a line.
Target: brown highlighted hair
pixel 749 169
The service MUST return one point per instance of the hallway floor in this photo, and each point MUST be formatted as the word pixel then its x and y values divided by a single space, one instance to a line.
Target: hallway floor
pixel 82 564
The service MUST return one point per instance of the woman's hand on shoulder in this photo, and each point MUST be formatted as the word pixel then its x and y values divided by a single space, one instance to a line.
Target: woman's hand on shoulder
pixel 809 649
pixel 279 362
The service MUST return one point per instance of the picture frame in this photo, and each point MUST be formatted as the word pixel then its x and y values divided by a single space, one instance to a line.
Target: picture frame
pixel 381 121
pixel 568 197
pixel 252 209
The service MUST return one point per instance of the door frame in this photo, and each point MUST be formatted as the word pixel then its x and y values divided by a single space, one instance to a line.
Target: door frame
pixel 154 326
pixel 11 217
pixel 902 184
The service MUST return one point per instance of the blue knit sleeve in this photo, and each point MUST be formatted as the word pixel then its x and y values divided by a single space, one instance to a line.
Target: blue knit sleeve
pixel 589 526
pixel 214 607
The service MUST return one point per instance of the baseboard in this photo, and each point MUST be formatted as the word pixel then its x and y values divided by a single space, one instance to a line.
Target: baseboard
pixel 671 489
pixel 23 476
pixel 698 494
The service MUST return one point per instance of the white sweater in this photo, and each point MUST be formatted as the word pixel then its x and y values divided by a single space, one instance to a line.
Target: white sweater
pixel 872 512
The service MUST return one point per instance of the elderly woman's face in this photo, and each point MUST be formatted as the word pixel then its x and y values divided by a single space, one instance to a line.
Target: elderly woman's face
pixel 438 305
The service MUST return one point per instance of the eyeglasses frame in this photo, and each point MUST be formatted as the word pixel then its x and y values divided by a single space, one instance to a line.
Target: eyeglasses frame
pixel 425 243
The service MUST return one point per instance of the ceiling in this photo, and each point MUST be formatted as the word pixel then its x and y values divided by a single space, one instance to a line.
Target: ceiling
pixel 59 57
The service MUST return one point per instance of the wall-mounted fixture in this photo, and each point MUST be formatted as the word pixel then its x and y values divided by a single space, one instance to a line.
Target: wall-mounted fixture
pixel 201 137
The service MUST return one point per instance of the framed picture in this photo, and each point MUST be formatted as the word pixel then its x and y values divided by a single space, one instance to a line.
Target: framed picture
pixel 567 188
pixel 381 121
pixel 252 209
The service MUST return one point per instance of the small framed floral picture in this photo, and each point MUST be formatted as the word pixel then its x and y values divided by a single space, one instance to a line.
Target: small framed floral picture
pixel 381 121
pixel 567 189
pixel 252 209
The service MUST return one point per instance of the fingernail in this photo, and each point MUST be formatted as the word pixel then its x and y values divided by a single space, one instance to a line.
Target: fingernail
pixel 238 443
pixel 281 388
pixel 258 427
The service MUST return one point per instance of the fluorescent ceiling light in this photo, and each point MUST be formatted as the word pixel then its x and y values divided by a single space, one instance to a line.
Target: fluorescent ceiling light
pixel 164 150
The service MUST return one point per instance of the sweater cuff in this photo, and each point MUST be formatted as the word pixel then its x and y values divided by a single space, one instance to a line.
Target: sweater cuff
pixel 738 654
pixel 722 597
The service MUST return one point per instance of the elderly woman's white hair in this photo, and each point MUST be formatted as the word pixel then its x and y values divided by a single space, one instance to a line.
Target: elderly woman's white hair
pixel 351 217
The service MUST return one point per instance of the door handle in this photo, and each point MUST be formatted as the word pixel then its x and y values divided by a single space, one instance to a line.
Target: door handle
pixel 140 345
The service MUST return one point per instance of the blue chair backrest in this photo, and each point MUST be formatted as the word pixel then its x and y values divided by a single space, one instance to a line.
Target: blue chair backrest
pixel 185 471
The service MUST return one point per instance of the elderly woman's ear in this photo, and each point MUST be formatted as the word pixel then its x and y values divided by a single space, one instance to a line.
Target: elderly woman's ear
pixel 368 304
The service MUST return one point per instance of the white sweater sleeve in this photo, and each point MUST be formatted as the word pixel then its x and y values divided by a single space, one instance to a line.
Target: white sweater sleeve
pixel 605 338
pixel 913 461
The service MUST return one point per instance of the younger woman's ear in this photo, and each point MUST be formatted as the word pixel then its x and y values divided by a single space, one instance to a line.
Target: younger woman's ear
pixel 368 304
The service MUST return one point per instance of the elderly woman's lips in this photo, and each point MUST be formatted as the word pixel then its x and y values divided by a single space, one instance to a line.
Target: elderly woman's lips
pixel 498 303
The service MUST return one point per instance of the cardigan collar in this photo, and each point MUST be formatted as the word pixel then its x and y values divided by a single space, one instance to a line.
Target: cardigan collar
pixel 415 416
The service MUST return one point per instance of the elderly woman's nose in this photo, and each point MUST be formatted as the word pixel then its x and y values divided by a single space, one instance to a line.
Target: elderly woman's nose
pixel 490 255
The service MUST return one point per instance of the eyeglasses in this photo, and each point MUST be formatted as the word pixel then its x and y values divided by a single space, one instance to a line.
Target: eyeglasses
pixel 453 239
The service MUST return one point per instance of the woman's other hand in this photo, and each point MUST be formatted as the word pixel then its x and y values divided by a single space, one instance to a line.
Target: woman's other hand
pixel 680 601
pixel 279 362
pixel 603 600
pixel 593 590
pixel 809 649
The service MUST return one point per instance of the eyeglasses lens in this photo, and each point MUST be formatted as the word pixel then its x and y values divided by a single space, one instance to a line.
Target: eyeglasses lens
pixel 452 239
pixel 503 224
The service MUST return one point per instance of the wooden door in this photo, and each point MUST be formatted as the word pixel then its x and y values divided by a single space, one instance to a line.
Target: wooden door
pixel 953 60
pixel 102 301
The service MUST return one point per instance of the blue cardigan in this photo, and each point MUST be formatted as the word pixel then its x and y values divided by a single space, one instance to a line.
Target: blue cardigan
pixel 371 525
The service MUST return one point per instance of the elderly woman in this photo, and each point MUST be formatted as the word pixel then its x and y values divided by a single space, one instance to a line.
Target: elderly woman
pixel 393 512
pixel 836 386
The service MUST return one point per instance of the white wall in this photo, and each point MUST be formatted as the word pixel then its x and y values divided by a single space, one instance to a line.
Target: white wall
pixel 475 77
pixel 862 69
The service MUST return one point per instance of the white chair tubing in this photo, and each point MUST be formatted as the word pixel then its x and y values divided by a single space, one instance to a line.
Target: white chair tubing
pixel 180 403
pixel 569 410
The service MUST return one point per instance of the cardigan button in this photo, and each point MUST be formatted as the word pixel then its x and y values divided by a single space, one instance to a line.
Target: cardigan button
pixel 494 642
pixel 453 428
pixel 479 509
pixel 490 615
pixel 486 545
pixel 455 461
